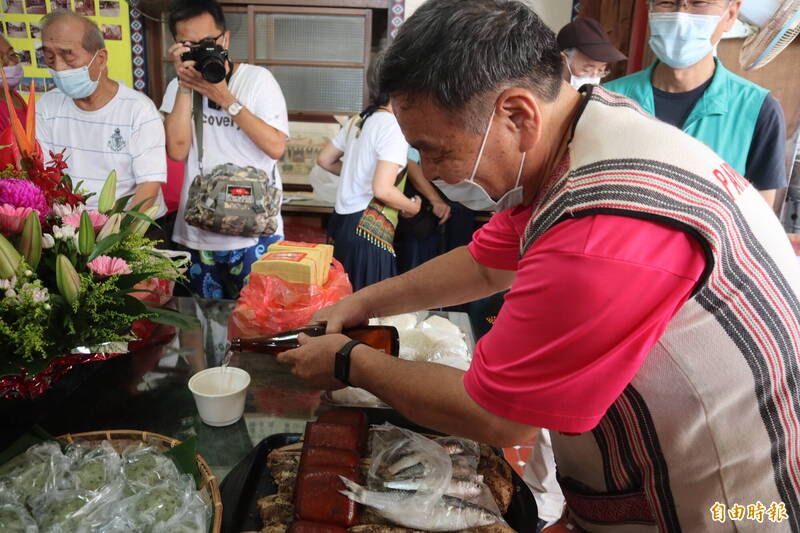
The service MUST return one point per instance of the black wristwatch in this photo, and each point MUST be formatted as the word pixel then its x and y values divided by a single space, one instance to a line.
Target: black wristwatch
pixel 341 368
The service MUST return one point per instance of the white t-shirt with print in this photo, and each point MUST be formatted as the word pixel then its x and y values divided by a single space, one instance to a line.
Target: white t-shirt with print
pixel 381 140
pixel 224 142
pixel 126 135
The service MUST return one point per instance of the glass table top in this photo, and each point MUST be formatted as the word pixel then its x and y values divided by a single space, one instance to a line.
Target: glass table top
pixel 147 390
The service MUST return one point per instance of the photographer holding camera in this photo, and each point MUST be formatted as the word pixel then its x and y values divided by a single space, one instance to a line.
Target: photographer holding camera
pixel 240 126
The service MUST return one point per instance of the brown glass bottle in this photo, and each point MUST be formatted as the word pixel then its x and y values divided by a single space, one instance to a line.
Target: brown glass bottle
pixel 383 338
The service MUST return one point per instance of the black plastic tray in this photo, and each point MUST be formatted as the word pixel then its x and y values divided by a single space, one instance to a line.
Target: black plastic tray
pixel 247 482
pixel 250 480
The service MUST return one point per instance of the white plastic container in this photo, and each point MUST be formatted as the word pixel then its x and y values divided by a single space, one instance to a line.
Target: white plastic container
pixel 220 394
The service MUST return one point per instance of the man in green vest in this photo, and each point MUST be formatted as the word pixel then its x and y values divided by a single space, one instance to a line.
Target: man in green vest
pixel 689 88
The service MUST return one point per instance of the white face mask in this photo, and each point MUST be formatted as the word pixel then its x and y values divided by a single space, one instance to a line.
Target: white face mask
pixel 577 82
pixel 472 195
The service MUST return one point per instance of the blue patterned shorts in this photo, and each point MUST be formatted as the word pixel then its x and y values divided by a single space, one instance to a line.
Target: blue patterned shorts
pixel 218 275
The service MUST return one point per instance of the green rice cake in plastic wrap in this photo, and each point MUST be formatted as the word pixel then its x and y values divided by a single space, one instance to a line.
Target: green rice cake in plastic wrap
pixel 95 489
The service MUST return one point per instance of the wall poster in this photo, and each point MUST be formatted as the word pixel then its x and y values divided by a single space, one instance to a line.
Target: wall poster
pixel 20 24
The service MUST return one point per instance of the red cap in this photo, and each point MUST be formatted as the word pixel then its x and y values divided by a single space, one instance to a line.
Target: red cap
pixel 589 36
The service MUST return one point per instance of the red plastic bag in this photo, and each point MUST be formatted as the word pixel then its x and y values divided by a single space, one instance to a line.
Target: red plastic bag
pixel 269 305
pixel 155 292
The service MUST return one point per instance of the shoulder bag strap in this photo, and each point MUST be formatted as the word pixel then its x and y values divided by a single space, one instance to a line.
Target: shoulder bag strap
pixel 197 116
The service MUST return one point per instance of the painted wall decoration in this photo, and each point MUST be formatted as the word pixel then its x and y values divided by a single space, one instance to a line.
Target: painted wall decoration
pixel 302 148
pixel 397 14
pixel 20 24
pixel 138 48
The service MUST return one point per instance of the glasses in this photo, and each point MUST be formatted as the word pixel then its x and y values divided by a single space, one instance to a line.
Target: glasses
pixel 700 7
pixel 589 73
pixel 204 41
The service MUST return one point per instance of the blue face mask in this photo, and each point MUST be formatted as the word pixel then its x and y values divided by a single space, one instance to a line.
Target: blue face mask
pixel 682 39
pixel 76 82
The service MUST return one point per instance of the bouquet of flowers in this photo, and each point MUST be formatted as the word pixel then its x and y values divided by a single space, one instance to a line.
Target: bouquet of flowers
pixel 67 273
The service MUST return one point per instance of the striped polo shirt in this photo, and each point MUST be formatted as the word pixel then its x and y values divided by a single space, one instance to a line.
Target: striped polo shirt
pixel 708 429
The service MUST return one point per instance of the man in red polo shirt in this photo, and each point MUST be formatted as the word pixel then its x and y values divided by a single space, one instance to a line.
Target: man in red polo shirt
pixel 652 318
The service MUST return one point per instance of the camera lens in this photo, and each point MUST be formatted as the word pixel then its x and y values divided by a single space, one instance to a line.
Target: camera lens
pixel 213 70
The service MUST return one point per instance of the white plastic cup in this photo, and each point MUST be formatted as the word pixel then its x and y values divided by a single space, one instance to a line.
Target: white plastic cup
pixel 219 394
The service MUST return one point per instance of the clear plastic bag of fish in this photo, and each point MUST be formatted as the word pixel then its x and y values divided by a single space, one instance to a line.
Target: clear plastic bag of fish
pixel 410 483
pixel 399 453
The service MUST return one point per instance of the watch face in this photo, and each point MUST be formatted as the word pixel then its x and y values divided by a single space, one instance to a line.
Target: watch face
pixel 234 108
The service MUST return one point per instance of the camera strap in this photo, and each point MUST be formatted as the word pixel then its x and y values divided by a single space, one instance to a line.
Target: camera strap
pixel 197 116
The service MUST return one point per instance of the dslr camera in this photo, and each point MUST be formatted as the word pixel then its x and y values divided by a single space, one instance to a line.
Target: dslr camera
pixel 210 59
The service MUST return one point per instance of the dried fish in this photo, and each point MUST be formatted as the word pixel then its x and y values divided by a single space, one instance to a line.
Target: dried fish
pixel 445 514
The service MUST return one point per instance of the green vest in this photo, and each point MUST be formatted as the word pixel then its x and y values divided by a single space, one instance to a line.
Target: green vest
pixel 724 118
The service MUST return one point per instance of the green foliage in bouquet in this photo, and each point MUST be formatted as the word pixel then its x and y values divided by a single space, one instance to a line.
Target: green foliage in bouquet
pixel 70 282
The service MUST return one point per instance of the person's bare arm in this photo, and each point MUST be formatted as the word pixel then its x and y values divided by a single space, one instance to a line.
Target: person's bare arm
pixel 146 192
pixel 769 197
pixel 383 188
pixel 429 394
pixel 178 123
pixel 269 140
pixel 429 191
pixel 330 158
pixel 433 396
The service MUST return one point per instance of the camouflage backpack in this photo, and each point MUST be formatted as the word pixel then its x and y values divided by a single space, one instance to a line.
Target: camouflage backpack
pixel 232 200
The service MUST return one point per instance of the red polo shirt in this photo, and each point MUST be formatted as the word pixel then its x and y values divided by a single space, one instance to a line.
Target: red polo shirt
pixel 591 297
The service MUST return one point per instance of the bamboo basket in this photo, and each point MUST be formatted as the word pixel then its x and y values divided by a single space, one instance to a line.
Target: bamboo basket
pixel 122 438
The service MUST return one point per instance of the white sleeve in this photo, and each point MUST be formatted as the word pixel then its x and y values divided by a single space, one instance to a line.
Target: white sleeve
pixel 390 145
pixel 169 97
pixel 340 140
pixel 148 152
pixel 268 103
